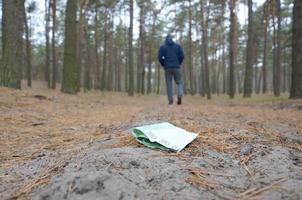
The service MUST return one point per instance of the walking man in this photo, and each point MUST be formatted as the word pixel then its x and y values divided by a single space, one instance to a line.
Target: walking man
pixel 170 56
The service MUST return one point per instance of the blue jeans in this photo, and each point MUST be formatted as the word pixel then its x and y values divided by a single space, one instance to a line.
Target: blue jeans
pixel 169 75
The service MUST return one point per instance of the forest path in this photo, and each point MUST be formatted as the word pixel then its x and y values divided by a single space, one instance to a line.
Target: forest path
pixel 82 148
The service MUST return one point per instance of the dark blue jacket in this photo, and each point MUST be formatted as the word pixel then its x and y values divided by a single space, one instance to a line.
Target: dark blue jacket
pixel 170 54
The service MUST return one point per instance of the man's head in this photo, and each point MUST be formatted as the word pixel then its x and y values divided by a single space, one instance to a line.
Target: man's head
pixel 169 40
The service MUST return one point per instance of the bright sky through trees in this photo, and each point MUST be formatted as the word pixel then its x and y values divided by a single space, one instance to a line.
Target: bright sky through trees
pixel 38 19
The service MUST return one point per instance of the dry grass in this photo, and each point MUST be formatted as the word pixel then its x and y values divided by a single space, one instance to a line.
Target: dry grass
pixel 253 193
pixel 201 178
pixel 29 125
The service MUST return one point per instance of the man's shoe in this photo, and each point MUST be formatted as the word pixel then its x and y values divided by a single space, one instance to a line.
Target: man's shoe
pixel 170 102
pixel 179 101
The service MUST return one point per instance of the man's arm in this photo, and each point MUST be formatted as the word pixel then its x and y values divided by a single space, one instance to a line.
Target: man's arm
pixel 180 55
pixel 161 56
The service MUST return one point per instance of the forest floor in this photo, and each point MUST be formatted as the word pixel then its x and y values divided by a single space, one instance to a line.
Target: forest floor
pixel 58 146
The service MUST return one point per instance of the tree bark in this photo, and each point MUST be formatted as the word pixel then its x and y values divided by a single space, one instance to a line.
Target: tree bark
pixel 265 49
pixel 130 49
pixel 278 53
pixel 80 40
pixel 233 47
pixel 248 80
pixel 104 71
pixel 69 84
pixel 97 83
pixel 192 91
pixel 141 68
pixel 12 41
pixel 204 25
pixel 111 69
pixel 54 57
pixel 158 79
pixel 47 45
pixel 28 49
pixel 296 85
pixel 87 76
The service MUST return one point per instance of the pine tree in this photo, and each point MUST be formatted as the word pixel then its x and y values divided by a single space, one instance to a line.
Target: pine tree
pixel 296 87
pixel 12 41
pixel 69 83
pixel 248 81
pixel 233 47
pixel 130 52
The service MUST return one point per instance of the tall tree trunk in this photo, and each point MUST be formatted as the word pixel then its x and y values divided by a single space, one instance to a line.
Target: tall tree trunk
pixel 233 47
pixel 219 65
pixel 127 70
pixel 274 50
pixel 141 65
pixel 204 25
pixel 285 71
pixel 28 49
pixel 149 87
pixel 202 74
pixel 111 69
pixel 255 64
pixel 54 57
pixel 97 81
pixel 119 78
pixel 80 41
pixel 192 91
pixel 117 64
pixel 86 44
pixel 130 49
pixel 104 72
pixel 248 80
pixel 213 71
pixel 265 49
pixel 278 49
pixel 47 45
pixel 296 85
pixel 152 38
pixel 12 54
pixel 69 84
pixel 224 74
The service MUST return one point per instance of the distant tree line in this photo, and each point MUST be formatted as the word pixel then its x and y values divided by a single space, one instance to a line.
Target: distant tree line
pixel 87 45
